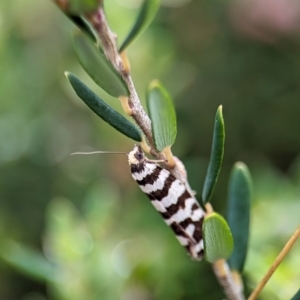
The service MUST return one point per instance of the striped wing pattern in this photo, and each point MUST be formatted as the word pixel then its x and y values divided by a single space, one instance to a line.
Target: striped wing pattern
pixel 178 207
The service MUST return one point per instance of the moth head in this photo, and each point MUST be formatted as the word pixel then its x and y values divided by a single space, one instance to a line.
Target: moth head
pixel 136 156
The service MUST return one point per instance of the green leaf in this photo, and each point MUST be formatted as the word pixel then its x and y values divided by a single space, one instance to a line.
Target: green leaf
pixel 79 7
pixel 84 25
pixel 216 157
pixel 80 22
pixel 162 114
pixel 238 213
pixel 144 19
pixel 296 296
pixel 27 261
pixel 98 67
pixel 218 241
pixel 104 111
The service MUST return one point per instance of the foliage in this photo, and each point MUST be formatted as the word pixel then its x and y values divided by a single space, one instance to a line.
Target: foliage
pixel 217 238
pixel 163 116
pixel 254 81
pixel 238 212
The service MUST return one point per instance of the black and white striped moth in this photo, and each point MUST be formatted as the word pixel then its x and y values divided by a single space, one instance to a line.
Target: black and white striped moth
pixel 171 199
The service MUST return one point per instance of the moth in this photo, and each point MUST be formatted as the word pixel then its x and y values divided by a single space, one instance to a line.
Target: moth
pixel 170 197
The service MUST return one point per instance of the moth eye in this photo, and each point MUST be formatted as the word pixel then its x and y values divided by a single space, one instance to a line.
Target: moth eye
pixel 139 155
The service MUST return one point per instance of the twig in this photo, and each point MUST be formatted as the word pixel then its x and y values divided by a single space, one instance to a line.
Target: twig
pixel 224 276
pixel 232 289
pixel 132 104
pixel 275 264
pixel 137 112
pixel 108 39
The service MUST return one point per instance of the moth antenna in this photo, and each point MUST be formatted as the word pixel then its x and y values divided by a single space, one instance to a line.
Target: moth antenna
pixel 97 152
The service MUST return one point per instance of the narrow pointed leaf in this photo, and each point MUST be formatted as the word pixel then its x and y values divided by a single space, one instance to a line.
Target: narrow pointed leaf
pixel 162 114
pixel 216 157
pixel 98 67
pixel 296 296
pixel 103 110
pixel 79 21
pixel 79 7
pixel 27 261
pixel 218 241
pixel 84 25
pixel 144 19
pixel 238 213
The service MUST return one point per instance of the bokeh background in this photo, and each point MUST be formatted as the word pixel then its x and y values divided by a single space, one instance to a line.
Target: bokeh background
pixel 79 227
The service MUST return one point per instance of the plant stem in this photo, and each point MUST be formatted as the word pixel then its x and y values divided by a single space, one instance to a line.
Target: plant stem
pixel 137 112
pixel 224 276
pixel 232 289
pixel 108 39
pixel 275 264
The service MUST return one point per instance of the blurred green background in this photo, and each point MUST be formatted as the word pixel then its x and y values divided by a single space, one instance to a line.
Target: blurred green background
pixel 78 227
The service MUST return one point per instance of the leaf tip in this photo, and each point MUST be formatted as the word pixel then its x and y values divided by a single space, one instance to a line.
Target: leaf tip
pixel 67 74
pixel 154 83
pixel 240 165
pixel 219 114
